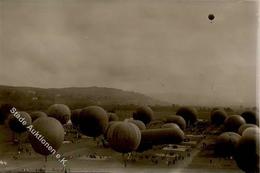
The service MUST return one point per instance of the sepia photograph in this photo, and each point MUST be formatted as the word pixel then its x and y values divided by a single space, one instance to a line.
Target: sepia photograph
pixel 129 86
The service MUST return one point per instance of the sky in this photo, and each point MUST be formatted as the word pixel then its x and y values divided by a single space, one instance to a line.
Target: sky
pixel 167 49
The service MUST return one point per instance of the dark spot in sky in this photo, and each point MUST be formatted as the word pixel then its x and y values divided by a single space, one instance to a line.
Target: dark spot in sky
pixel 211 17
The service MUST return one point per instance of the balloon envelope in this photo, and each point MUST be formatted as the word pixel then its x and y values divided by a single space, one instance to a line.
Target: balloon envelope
pixel 59 111
pixel 52 132
pixel 93 121
pixel 144 114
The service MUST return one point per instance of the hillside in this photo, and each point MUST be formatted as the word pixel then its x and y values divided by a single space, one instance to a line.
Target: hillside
pixel 29 98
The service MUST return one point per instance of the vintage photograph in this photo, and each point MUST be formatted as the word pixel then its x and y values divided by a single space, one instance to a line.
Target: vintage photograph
pixel 129 86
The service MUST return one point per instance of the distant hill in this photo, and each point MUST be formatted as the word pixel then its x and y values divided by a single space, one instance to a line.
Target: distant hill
pixel 29 98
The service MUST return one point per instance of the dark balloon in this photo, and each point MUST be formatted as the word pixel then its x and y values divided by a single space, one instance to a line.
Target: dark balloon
pixel 176 119
pixel 59 111
pixel 162 136
pixel 4 112
pixel 37 114
pixel 75 117
pixel 144 114
pixel 218 117
pixel 112 117
pixel 124 137
pixel 243 127
pixel 170 125
pixel 51 130
pixel 226 143
pixel 189 114
pixel 138 123
pixel 16 125
pixel 93 121
pixel 250 117
pixel 247 152
pixel 233 122
pixel 211 16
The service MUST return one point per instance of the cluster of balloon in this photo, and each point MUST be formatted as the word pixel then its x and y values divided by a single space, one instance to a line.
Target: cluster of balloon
pixel 138 123
pixel 226 143
pixel 172 135
pixel 112 116
pixel 52 132
pixel 243 127
pixel 177 120
pixel 218 117
pixel 250 117
pixel 189 114
pixel 59 111
pixel 4 112
pixel 233 122
pixel 211 17
pixel 37 114
pixel 144 114
pixel 124 137
pixel 93 121
pixel 247 151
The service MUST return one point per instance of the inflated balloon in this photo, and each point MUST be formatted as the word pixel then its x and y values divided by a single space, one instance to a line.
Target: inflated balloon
pixel 243 127
pixel 108 127
pixel 124 137
pixel 226 143
pixel 75 117
pixel 15 121
pixel 218 117
pixel 52 134
pixel 138 123
pixel 180 121
pixel 5 112
pixel 144 114
pixel 170 125
pixel 93 121
pixel 247 151
pixel 112 117
pixel 233 122
pixel 250 117
pixel 189 114
pixel 162 136
pixel 37 114
pixel 59 111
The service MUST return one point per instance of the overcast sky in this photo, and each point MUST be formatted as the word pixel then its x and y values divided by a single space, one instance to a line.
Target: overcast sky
pixel 163 48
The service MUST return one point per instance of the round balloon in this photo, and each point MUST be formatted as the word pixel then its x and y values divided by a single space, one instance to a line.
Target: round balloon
pixel 93 121
pixel 233 122
pixel 50 138
pixel 112 117
pixel 124 137
pixel 19 121
pixel 37 114
pixel 59 111
pixel 243 127
pixel 144 114
pixel 226 143
pixel 218 117
pixel 247 152
pixel 176 119
pixel 138 123
pixel 188 113
pixel 250 117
